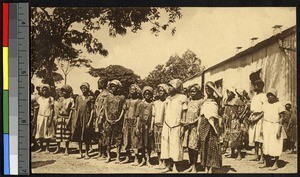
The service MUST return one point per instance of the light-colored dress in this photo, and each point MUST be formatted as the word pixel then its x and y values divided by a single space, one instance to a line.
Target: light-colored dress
pixel 254 130
pixel 271 145
pixel 158 113
pixel 190 135
pixel 46 105
pixel 171 143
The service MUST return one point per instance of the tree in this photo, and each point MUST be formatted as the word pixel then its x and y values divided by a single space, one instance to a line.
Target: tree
pixel 67 65
pixel 176 67
pixel 53 36
pixel 124 75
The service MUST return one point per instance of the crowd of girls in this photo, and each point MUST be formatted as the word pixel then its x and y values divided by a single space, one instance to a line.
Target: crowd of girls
pixel 165 122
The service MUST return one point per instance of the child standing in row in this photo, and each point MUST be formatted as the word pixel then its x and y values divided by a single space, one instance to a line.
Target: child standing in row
pixel 44 128
pixel 81 125
pixel 158 118
pixel 272 130
pixel 172 131
pixel 130 139
pixel 100 119
pixel 192 117
pixel 65 105
pixel 144 134
pixel 113 111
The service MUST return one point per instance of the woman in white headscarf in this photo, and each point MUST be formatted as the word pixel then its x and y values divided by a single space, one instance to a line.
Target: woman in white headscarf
pixel 208 130
pixel 171 143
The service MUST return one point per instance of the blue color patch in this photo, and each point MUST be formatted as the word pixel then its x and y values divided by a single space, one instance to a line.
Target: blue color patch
pixel 6 154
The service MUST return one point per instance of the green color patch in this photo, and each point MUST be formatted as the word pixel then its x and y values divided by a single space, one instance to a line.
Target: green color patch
pixel 5 112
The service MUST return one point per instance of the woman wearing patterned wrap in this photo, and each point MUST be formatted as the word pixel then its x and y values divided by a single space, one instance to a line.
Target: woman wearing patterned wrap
pixel 192 116
pixel 130 122
pixel 208 130
pixel 81 125
pixel 158 119
pixel 63 111
pixel 113 111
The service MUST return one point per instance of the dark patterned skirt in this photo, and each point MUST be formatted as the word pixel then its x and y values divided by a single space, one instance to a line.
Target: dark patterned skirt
pixel 112 135
pixel 62 131
pixel 157 137
pixel 210 149
pixel 130 139
pixel 145 140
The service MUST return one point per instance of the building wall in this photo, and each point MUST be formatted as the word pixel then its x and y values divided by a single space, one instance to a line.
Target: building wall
pixel 278 71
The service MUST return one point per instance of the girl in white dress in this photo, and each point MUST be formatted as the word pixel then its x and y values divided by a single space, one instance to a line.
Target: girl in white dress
pixel 44 127
pixel 172 131
pixel 272 130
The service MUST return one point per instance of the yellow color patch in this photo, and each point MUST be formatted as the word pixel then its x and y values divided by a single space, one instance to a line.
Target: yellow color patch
pixel 5 68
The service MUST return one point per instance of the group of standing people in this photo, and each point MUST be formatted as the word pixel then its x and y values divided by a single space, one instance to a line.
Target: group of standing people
pixel 166 121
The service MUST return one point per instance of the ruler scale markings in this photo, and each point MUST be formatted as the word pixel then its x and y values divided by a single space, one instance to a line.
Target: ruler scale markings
pixel 24 118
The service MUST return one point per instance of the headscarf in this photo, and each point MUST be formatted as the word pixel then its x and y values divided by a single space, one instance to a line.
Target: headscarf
pixel 147 88
pixel 137 88
pixel 213 86
pixel 197 86
pixel 115 82
pixel 288 102
pixel 165 87
pixel 68 89
pixel 176 84
pixel 272 91
pixel 87 85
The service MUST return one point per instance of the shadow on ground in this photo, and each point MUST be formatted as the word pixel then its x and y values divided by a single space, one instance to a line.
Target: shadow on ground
pixel 41 163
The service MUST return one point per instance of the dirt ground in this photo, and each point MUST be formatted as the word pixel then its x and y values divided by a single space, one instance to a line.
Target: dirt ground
pixel 60 164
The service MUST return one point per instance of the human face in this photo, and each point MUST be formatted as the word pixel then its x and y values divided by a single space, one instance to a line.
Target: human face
pixel 45 91
pixel 230 94
pixel 112 88
pixel 64 94
pixel 209 90
pixel 172 91
pixel 132 90
pixel 288 107
pixel 83 89
pixel 147 95
pixel 193 92
pixel 271 98
pixel 161 92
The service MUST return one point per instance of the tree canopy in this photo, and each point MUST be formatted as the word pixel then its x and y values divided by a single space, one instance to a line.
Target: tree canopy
pixel 124 75
pixel 180 67
pixel 53 36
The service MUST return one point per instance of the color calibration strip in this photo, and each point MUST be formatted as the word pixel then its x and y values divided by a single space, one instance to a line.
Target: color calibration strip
pixel 5 30
pixel 16 119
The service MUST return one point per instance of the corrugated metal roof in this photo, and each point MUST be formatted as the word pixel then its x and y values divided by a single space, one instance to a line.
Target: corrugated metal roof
pixel 252 49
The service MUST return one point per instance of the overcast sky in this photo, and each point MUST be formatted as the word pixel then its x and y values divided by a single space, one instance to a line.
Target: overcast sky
pixel 212 33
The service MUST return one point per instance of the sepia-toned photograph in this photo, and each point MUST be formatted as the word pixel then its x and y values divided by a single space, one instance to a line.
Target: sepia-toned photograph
pixel 133 90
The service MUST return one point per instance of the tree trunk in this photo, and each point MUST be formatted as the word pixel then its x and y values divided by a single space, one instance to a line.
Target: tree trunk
pixel 66 79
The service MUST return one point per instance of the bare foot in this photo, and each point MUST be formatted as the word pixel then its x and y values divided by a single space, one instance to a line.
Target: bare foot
pixel 125 161
pixel 239 158
pixel 135 163
pixel 39 150
pixel 56 151
pixel 166 170
pixel 108 159
pixel 47 151
pixel 188 170
pixel 160 167
pixel 80 157
pixel 273 168
pixel 142 163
